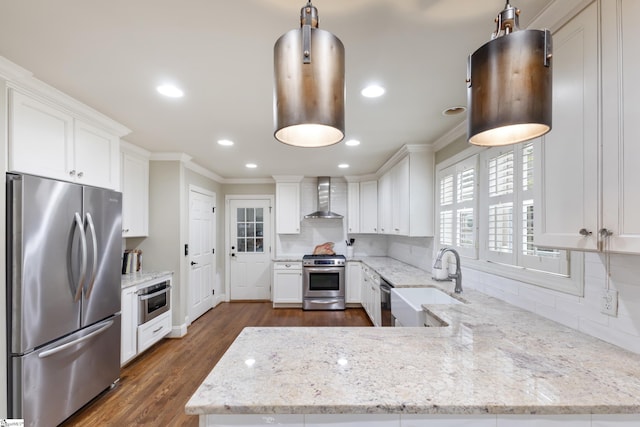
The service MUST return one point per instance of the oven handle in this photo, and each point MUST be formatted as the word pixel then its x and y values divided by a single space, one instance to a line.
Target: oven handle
pixel 145 297
pixel 332 269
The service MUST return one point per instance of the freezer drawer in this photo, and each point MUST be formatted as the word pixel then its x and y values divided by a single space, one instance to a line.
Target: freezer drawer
pixel 51 383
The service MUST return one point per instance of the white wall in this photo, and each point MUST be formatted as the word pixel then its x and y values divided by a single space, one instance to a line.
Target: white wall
pixel 581 313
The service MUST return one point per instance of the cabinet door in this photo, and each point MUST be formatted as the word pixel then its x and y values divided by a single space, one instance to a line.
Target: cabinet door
pixel 288 207
pixel 566 159
pixel 97 156
pixel 40 138
pixel 287 284
pixel 135 195
pixel 353 207
pixel 354 282
pixel 128 348
pixel 385 223
pixel 369 207
pixel 400 198
pixel 621 127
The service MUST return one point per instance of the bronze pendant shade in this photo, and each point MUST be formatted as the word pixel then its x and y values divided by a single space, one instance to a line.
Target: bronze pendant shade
pixel 309 90
pixel 509 85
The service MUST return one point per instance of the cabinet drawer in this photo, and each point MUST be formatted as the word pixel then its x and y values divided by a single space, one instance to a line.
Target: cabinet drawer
pixel 154 330
pixel 282 265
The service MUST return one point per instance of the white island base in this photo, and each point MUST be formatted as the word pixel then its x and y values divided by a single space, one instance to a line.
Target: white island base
pixel 412 420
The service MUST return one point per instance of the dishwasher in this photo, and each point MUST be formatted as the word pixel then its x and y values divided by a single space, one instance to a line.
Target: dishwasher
pixel 385 303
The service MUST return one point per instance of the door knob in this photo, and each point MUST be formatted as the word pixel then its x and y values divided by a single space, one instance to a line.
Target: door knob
pixel 193 263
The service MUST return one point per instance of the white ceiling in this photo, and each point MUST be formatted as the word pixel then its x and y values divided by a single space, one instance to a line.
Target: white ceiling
pixel 112 54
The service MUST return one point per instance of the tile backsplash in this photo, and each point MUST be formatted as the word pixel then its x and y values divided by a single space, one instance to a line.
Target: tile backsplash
pixel 581 313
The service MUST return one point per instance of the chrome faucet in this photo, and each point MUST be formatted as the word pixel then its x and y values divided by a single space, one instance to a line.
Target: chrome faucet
pixel 458 274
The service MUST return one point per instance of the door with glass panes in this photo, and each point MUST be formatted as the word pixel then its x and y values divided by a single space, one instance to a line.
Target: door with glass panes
pixel 249 251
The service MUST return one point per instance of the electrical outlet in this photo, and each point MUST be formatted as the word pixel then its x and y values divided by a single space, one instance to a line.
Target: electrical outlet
pixel 609 304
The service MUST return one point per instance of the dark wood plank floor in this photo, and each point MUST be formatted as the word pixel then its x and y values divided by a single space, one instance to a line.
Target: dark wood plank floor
pixel 154 388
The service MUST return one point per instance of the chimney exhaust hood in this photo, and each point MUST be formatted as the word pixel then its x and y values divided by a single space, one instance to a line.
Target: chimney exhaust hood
pixel 324 201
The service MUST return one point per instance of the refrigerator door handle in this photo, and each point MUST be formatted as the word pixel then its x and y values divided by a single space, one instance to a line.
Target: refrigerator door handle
pixel 74 342
pixel 83 264
pixel 94 239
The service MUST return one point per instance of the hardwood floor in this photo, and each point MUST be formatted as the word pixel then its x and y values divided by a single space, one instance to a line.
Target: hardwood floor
pixel 154 388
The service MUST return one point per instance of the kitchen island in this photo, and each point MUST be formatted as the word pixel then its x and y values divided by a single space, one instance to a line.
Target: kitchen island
pixel 494 364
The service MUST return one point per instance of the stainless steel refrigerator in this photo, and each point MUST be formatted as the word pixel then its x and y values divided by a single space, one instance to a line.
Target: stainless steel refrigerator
pixel 64 242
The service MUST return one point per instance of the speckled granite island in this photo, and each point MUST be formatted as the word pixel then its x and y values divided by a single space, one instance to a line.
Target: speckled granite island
pixel 494 365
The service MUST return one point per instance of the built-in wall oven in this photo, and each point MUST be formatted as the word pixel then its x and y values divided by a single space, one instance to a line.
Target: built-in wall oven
pixel 323 284
pixel 154 300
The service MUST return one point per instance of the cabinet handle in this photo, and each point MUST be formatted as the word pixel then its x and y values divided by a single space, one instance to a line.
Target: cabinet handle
pixel 605 232
pixel 584 232
pixel 157 330
pixel 72 172
pixel 80 174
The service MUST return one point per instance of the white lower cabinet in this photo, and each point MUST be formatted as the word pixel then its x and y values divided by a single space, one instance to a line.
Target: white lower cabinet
pixel 154 330
pixel 287 283
pixel 354 282
pixel 370 295
pixel 352 420
pixel 396 420
pixel 129 322
pixel 135 338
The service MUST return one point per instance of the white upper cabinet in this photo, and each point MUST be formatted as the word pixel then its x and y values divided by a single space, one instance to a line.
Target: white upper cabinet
pixel 353 207
pixel 586 167
pixel 566 159
pixel 135 190
pixel 47 140
pixel 96 156
pixel 288 205
pixel 40 138
pixel 369 207
pixel 405 194
pixel 621 125
pixel 362 207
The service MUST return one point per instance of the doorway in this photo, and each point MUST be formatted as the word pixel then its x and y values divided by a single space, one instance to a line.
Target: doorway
pixel 249 247
pixel 201 251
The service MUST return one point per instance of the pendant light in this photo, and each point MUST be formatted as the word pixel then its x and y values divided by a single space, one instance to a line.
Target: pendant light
pixel 309 85
pixel 509 84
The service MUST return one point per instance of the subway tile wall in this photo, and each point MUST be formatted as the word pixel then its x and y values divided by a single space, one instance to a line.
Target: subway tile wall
pixel 581 313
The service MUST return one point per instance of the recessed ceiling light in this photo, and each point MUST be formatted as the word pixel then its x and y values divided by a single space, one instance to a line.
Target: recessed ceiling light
pixel 225 142
pixel 251 165
pixel 352 142
pixel 170 91
pixel 373 91
pixel 454 111
pixel 343 165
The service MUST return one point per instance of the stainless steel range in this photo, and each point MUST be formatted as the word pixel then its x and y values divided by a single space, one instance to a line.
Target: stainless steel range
pixel 323 282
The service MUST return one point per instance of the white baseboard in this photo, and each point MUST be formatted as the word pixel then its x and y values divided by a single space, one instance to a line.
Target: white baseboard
pixel 178 331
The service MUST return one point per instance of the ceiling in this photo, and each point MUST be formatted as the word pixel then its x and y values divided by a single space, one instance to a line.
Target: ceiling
pixel 111 55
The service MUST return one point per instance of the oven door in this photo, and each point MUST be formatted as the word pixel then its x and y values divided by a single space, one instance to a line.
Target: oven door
pixel 154 301
pixel 323 282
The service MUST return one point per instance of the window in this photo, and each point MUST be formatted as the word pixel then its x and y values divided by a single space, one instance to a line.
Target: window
pixel 457 195
pixel 250 230
pixel 486 210
pixel 508 212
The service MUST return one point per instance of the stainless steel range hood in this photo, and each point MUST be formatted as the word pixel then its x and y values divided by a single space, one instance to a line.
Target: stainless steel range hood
pixel 324 200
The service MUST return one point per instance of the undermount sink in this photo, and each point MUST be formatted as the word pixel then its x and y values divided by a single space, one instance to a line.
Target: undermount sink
pixel 406 306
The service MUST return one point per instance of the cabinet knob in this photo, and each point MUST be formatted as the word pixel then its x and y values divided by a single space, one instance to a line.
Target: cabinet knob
pixel 584 232
pixel 80 174
pixel 72 172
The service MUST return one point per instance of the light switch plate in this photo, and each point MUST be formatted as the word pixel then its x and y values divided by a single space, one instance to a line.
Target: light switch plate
pixel 609 304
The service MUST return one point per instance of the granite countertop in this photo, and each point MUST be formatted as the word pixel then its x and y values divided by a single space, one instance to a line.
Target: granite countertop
pixel 493 358
pixel 133 279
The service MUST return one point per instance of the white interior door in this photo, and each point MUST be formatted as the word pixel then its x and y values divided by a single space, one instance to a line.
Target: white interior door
pixel 201 251
pixel 249 249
